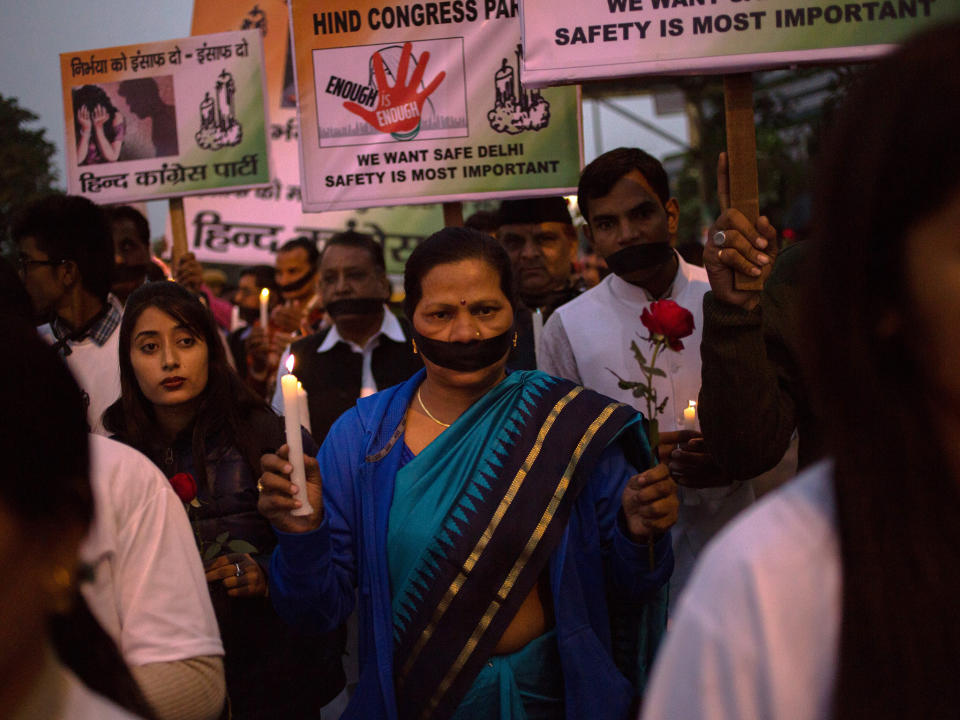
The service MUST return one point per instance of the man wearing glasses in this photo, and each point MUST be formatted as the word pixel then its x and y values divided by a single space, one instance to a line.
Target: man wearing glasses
pixel 65 260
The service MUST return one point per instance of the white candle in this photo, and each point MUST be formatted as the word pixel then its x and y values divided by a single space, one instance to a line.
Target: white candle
pixel 291 418
pixel 234 317
pixel 302 401
pixel 264 304
pixel 537 332
pixel 690 416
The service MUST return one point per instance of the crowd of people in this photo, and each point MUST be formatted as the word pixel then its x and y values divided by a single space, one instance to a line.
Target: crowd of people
pixel 527 491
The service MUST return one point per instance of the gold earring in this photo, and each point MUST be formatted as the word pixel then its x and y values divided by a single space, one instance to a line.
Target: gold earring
pixel 414 346
pixel 478 333
pixel 514 339
pixel 61 590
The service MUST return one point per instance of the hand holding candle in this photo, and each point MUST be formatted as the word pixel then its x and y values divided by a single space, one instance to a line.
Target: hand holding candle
pixel 264 306
pixel 291 416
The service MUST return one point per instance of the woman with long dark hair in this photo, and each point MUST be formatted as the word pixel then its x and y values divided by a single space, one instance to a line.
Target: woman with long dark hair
pixel 485 517
pixel 99 126
pixel 837 596
pixel 184 407
pixel 56 661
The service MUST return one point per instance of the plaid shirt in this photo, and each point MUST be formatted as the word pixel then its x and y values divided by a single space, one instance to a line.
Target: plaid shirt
pixel 100 332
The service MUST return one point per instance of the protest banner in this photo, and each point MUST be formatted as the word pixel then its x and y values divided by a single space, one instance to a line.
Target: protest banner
pixel 423 102
pixel 248 226
pixel 165 119
pixel 568 41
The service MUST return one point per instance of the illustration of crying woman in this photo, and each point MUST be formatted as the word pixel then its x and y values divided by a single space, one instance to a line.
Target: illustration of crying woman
pixel 99 126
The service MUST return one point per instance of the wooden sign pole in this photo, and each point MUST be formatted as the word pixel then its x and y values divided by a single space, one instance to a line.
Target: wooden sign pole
pixel 453 214
pixel 178 226
pixel 742 158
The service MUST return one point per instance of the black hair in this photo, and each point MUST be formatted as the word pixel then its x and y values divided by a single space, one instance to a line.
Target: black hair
pixel 313 255
pixel 483 220
pixel 44 439
pixel 351 238
pixel 14 298
pixel 226 401
pixel 451 245
pixel 599 177
pixel 890 160
pixel 89 96
pixel 70 227
pixel 264 276
pixel 534 210
pixel 126 212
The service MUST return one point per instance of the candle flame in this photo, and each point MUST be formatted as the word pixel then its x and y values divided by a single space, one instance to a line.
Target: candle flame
pixel 289 364
pixel 265 294
pixel 692 403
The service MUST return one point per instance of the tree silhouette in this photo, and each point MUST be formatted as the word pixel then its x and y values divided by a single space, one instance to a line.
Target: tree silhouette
pixel 25 169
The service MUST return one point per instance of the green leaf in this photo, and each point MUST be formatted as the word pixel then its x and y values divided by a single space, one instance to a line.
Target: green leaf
pixel 222 537
pixel 662 405
pixel 638 354
pixel 658 372
pixel 242 546
pixel 213 549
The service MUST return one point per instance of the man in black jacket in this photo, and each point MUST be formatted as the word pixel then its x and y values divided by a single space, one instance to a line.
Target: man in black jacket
pixel 367 348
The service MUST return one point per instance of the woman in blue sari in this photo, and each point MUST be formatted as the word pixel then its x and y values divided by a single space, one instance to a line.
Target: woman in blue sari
pixel 480 519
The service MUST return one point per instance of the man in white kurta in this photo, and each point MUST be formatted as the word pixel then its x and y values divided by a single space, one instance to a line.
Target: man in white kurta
pixel 631 218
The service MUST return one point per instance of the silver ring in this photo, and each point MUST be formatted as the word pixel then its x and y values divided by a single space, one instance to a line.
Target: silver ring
pixel 719 238
pixel 239 571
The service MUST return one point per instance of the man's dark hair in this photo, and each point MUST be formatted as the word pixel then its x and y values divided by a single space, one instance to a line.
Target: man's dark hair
pixel 351 238
pixel 534 210
pixel 599 177
pixel 483 220
pixel 263 275
pixel 70 227
pixel 125 212
pixel 313 255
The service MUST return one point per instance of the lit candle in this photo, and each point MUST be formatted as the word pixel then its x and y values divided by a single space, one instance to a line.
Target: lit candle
pixel 264 303
pixel 302 401
pixel 291 418
pixel 690 416
pixel 537 332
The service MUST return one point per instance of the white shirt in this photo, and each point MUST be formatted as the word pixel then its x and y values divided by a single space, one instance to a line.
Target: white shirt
pixel 96 368
pixel 587 340
pixel 149 591
pixel 756 634
pixel 390 327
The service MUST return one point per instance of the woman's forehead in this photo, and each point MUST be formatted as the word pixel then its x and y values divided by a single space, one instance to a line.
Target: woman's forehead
pixel 464 279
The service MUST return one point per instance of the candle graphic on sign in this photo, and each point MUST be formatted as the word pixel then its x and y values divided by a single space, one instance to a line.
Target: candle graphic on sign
pixel 291 418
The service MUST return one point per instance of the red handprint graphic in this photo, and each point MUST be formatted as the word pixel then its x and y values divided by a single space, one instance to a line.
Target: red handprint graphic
pixel 398 107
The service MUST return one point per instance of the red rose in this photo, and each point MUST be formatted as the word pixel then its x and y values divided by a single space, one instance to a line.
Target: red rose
pixel 184 486
pixel 669 320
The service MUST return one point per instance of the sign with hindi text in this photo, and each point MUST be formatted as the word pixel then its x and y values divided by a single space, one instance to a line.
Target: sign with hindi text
pixel 166 119
pixel 567 41
pixel 416 102
pixel 247 227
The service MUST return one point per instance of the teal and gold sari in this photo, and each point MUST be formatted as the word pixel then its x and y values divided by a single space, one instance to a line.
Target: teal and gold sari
pixel 474 519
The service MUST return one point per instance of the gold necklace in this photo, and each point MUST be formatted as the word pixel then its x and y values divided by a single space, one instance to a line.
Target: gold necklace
pixel 429 414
